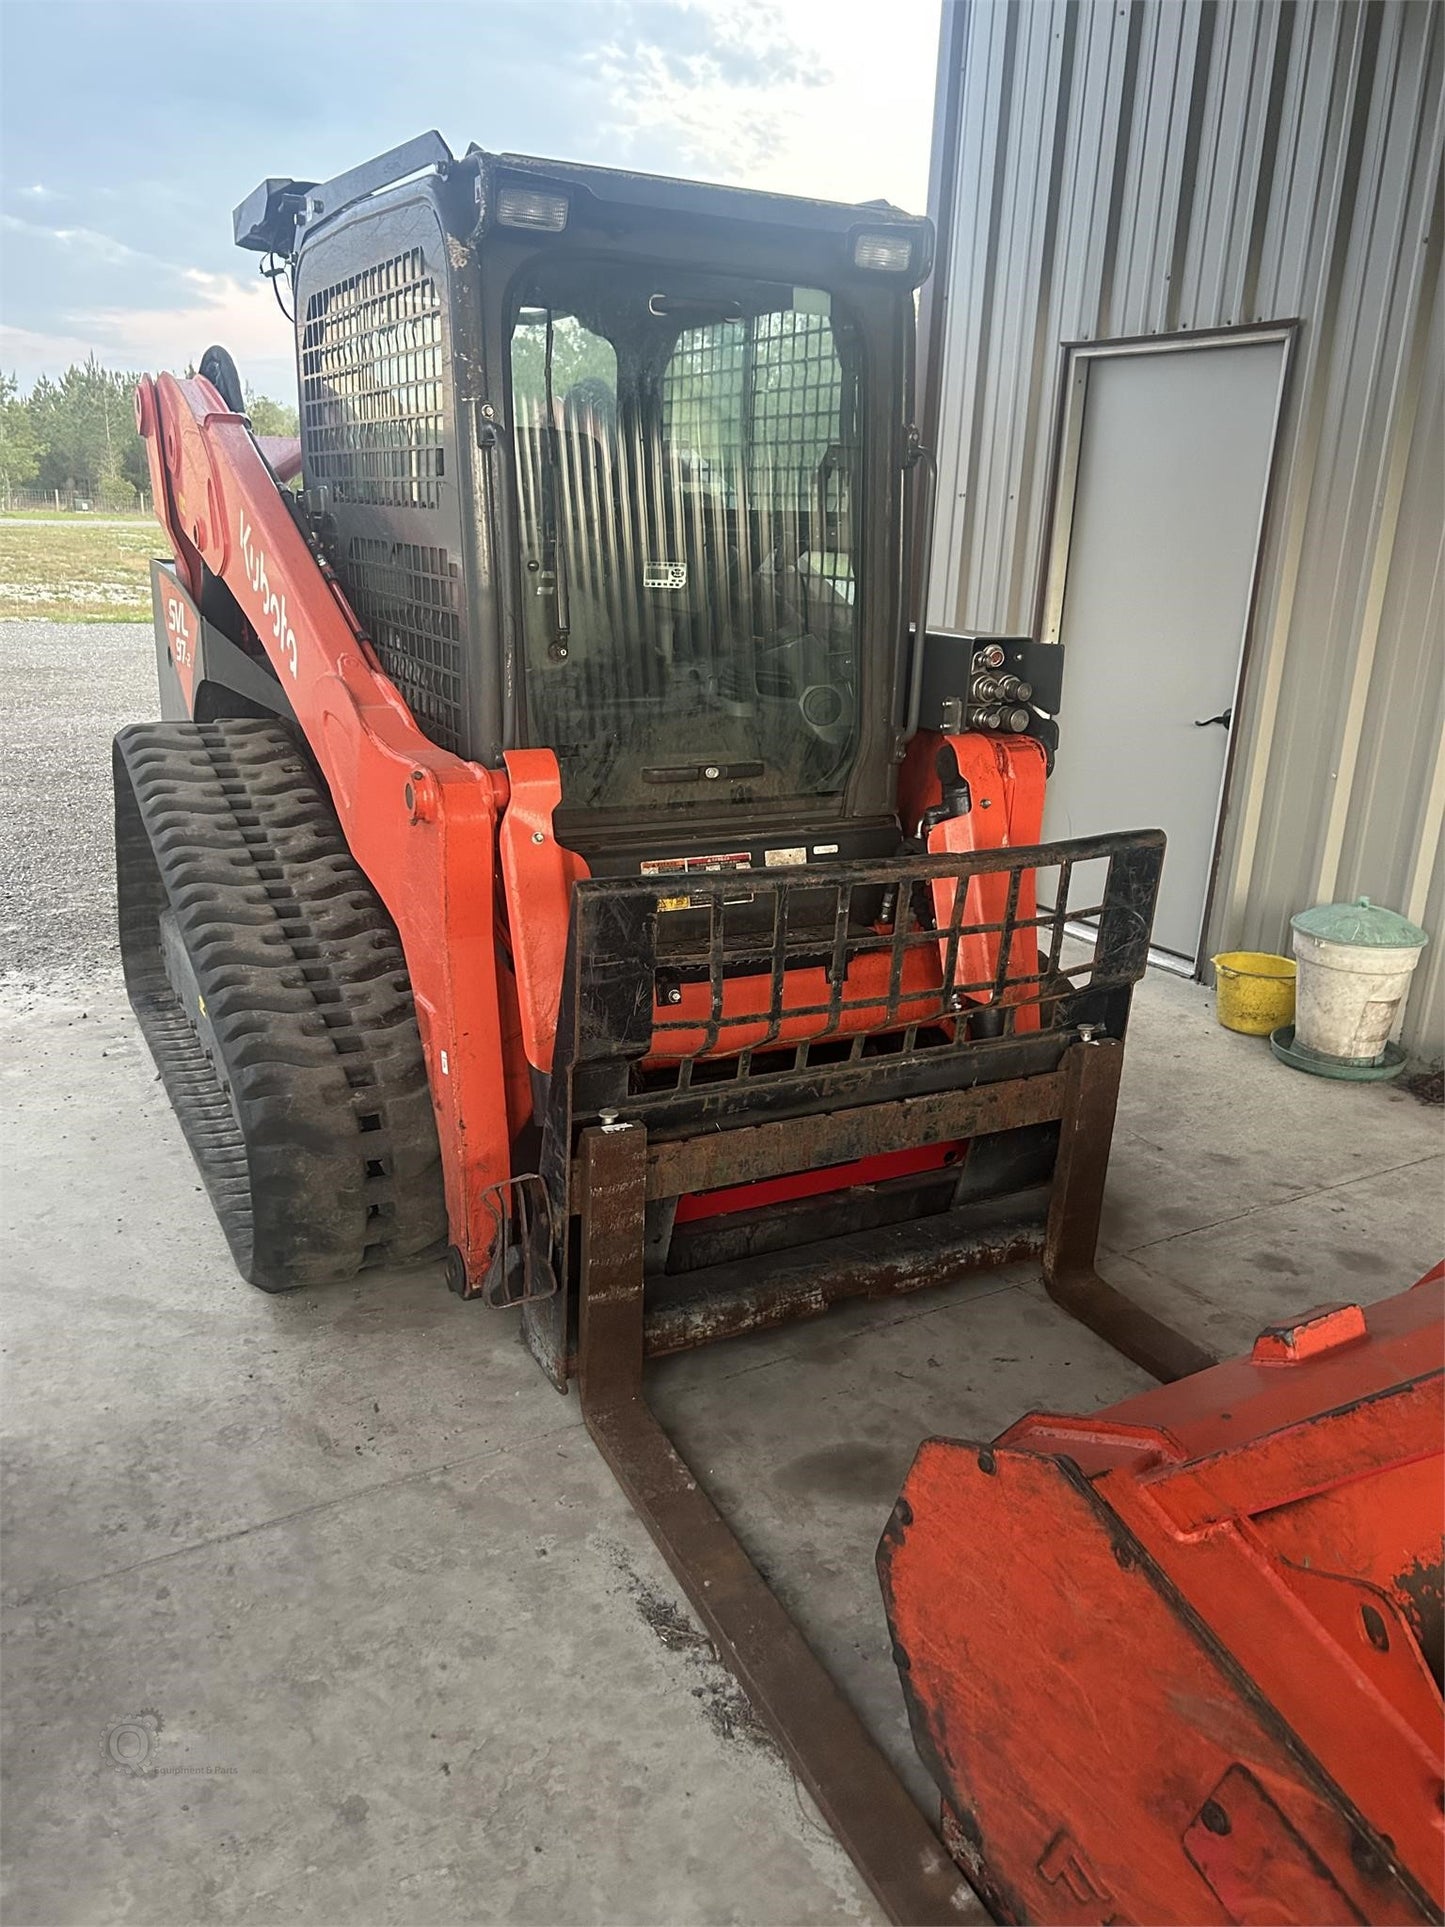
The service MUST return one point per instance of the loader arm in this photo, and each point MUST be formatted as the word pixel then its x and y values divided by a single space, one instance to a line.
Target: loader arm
pixel 420 822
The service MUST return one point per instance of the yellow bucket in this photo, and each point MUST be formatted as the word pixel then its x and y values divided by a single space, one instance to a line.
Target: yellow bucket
pixel 1253 991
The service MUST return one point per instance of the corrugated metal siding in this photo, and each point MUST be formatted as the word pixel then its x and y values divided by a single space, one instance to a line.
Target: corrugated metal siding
pixel 1135 167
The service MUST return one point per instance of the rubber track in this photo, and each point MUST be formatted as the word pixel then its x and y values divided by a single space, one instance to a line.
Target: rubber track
pixel 322 1158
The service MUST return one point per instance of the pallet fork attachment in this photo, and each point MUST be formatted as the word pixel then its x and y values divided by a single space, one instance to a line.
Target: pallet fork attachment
pixel 1064 1082
pixel 894 1848
pixel 843 1050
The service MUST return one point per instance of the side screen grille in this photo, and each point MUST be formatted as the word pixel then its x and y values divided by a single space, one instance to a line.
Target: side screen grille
pixel 371 386
pixel 407 596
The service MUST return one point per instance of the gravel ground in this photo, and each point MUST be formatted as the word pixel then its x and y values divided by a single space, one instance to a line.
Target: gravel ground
pixel 68 688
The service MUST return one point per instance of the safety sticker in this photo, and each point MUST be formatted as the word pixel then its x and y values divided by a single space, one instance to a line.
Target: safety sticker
pixel 664 575
pixel 679 866
pixel 792 854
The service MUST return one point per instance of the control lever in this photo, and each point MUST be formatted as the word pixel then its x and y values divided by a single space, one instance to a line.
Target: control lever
pixel 1224 718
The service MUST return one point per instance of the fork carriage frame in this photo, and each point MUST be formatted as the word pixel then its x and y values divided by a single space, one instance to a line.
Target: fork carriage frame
pixel 725 1096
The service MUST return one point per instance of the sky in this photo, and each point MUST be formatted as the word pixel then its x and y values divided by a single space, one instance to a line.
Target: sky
pixel 129 129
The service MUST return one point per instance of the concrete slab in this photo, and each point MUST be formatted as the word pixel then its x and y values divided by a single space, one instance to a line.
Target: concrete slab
pixel 463 1696
pixel 806 1451
pixel 194 1406
pixel 1362 1240
pixel 349 1570
pixel 1211 1124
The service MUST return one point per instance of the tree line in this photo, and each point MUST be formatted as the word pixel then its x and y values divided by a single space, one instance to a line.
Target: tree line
pixel 75 433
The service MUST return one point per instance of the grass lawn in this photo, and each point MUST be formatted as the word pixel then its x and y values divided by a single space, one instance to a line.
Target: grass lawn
pixel 80 518
pixel 73 571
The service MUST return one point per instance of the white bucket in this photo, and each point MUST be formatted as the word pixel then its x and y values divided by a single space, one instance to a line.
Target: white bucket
pixel 1348 995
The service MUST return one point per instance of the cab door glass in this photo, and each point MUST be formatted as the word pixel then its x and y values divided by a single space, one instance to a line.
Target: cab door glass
pixel 686 476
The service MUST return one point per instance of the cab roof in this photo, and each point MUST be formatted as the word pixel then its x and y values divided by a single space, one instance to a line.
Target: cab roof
pixel 270 217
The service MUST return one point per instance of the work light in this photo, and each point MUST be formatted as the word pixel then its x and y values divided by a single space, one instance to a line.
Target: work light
pixel 893 253
pixel 531 207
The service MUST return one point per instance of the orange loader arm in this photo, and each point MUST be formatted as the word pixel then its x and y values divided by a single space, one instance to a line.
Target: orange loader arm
pixel 421 822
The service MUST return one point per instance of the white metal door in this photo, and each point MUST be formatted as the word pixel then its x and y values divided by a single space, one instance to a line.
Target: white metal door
pixel 1166 459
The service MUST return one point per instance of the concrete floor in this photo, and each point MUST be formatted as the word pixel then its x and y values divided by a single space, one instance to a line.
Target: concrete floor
pixel 351 1573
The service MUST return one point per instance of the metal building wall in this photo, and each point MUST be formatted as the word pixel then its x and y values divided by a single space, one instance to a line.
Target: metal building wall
pixel 1107 168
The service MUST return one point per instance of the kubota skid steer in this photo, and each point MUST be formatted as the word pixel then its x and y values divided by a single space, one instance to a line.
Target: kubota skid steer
pixel 558 857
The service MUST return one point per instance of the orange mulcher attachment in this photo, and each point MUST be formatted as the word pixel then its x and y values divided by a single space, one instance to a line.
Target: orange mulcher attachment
pixel 1181 1661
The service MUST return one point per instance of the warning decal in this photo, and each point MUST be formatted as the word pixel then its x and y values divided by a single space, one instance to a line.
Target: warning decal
pixel 681 866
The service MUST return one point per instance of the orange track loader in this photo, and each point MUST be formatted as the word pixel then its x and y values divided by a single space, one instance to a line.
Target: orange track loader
pixel 559 856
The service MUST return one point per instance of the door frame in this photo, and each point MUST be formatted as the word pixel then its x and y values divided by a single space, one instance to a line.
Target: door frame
pixel 1076 359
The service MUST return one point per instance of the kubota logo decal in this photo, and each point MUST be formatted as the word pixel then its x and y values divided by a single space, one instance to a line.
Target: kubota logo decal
pixel 273 607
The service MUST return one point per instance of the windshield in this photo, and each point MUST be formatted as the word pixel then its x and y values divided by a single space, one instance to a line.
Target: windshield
pixel 685 457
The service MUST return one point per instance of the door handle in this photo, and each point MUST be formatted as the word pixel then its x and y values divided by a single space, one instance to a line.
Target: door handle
pixel 1224 718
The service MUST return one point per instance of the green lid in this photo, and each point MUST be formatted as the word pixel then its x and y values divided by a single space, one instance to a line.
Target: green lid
pixel 1361 922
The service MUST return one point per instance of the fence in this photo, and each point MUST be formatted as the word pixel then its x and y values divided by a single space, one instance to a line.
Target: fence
pixel 113 498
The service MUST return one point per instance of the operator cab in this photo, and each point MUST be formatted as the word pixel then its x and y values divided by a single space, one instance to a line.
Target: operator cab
pixel 613 465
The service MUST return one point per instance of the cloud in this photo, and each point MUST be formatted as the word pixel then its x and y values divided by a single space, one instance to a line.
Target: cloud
pixel 242 315
pixel 746 44
pixel 716 82
pixel 103 247
pixel 27 352
pixel 796 96
pixel 38 191
pixel 205 307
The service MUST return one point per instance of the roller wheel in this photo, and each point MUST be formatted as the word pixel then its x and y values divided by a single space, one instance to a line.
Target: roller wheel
pixel 271 987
